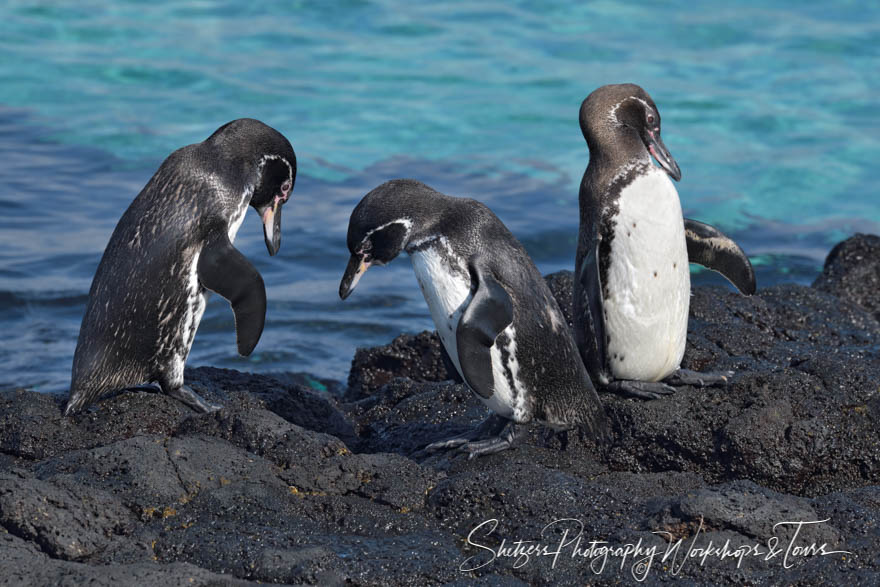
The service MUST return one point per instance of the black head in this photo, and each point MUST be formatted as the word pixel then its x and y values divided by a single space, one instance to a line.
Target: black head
pixel 270 163
pixel 383 224
pixel 624 117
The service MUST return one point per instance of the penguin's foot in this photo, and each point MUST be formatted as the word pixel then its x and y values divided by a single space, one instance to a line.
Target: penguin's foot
pixel 494 434
pixel 697 379
pixel 145 387
pixel 503 441
pixel 639 389
pixel 491 426
pixel 185 394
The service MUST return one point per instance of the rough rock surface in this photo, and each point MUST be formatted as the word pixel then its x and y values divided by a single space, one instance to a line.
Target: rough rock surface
pixel 291 483
pixel 852 272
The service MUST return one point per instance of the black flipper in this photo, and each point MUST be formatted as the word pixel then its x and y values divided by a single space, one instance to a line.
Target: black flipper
pixel 711 248
pixel 489 313
pixel 224 270
pixel 589 319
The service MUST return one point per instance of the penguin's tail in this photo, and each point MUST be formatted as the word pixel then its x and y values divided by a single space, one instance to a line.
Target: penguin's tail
pixel 596 427
pixel 91 381
pixel 74 405
pixel 592 420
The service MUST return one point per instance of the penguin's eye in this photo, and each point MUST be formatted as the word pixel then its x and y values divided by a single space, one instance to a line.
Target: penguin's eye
pixel 285 187
pixel 650 119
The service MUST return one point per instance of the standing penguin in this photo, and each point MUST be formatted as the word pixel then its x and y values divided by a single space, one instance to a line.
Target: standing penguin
pixel 632 280
pixel 173 245
pixel 495 315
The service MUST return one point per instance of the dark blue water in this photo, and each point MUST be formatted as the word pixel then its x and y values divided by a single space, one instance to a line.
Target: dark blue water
pixel 771 113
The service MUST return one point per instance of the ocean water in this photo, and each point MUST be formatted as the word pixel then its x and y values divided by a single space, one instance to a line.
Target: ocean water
pixel 770 108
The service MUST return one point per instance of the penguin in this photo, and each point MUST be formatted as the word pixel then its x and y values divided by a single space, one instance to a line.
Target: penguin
pixel 632 278
pixel 170 249
pixel 494 313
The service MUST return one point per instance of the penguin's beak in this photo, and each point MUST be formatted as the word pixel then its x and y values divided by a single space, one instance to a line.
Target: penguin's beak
pixel 353 272
pixel 659 151
pixel 271 215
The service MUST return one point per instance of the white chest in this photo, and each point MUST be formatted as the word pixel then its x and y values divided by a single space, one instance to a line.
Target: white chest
pixel 446 285
pixel 648 281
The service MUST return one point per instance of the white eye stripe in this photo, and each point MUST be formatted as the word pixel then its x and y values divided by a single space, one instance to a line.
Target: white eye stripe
pixel 406 222
pixel 612 114
pixel 265 158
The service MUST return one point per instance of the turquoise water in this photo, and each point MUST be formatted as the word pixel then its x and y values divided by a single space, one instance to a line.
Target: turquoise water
pixel 770 108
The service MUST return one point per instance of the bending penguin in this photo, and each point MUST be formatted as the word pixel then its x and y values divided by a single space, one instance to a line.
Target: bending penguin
pixel 495 315
pixel 170 249
pixel 632 280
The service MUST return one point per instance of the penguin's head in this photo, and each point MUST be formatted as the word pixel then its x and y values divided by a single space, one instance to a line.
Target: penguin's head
pixel 273 188
pixel 625 113
pixel 382 225
pixel 266 161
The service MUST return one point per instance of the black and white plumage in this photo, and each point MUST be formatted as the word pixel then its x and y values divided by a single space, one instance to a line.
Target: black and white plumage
pixel 632 280
pixel 495 315
pixel 170 248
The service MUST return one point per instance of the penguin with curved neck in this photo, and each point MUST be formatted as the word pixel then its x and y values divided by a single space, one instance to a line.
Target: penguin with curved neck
pixel 632 279
pixel 172 246
pixel 494 313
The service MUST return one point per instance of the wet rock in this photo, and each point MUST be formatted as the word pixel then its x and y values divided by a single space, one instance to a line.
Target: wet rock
pixel 32 427
pixel 71 522
pixel 311 462
pixel 405 416
pixel 138 470
pixel 39 572
pixel 748 509
pixel 418 357
pixel 852 272
pixel 308 565
pixel 296 403
pixel 289 483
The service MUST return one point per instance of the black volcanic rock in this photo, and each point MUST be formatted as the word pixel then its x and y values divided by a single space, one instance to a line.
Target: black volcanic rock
pixel 852 272
pixel 291 484
pixel 68 521
pixel 419 357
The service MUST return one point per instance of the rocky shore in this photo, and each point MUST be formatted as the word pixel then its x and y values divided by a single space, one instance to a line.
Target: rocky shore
pixel 293 483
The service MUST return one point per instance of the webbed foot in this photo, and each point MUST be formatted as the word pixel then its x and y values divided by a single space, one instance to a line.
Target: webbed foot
pixel 697 379
pixel 494 434
pixel 186 395
pixel 639 389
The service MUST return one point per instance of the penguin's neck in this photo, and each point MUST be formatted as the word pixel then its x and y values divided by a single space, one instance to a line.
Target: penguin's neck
pixel 238 211
pixel 426 232
pixel 607 174
pixel 611 145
